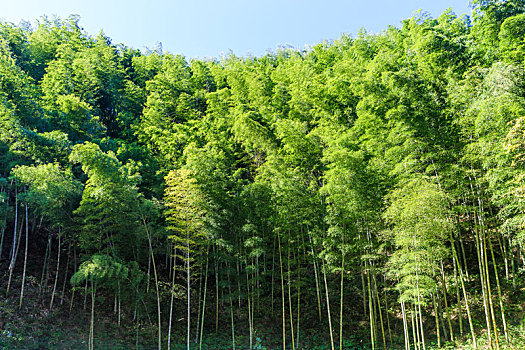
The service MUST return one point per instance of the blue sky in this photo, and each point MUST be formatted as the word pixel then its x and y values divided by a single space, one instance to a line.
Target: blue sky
pixel 209 28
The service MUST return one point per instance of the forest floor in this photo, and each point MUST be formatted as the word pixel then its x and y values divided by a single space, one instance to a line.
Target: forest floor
pixel 36 326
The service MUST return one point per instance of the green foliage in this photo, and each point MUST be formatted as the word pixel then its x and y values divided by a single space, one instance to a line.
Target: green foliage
pixel 420 228
pixel 184 209
pixel 53 191
pixel 109 209
pixel 100 269
pixel 346 171
pixel 512 38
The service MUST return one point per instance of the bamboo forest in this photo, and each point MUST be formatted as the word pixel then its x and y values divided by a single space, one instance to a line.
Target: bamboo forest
pixel 364 193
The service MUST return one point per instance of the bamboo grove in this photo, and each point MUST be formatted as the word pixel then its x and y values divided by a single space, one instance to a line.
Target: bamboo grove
pixel 363 191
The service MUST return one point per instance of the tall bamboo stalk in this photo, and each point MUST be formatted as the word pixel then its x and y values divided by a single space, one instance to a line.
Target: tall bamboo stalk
pixel 502 308
pixel 56 274
pixel 204 298
pixel 289 282
pixel 174 253
pixel 341 291
pixel 25 262
pixel 152 257
pixel 282 290
pixel 12 255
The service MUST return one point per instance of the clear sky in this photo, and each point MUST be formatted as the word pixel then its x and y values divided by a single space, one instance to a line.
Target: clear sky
pixel 209 28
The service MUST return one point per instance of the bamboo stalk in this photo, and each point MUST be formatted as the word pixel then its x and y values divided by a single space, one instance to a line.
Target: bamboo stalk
pixel 25 262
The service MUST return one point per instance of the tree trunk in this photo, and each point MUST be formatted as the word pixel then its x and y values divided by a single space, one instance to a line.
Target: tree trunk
pixel 250 310
pixel 405 326
pixel 436 313
pixel 25 263
pixel 171 297
pixel 371 310
pixel 328 309
pixel 379 311
pixel 231 308
pixel 44 266
pixel 199 306
pixel 216 296
pixel 455 258
pixel 282 291
pixel 415 331
pixel 290 293
pixel 65 276
pixel 204 298
pixel 152 257
pixel 188 291
pixel 316 276
pixel 13 246
pixel 502 308
pixel 4 225
pixel 444 290
pixel 56 274
pixel 92 324
pixel 341 291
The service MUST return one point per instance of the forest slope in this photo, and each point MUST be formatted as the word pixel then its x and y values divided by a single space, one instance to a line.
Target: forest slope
pixel 365 193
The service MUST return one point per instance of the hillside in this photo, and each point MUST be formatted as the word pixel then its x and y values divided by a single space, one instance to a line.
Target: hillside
pixel 366 193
